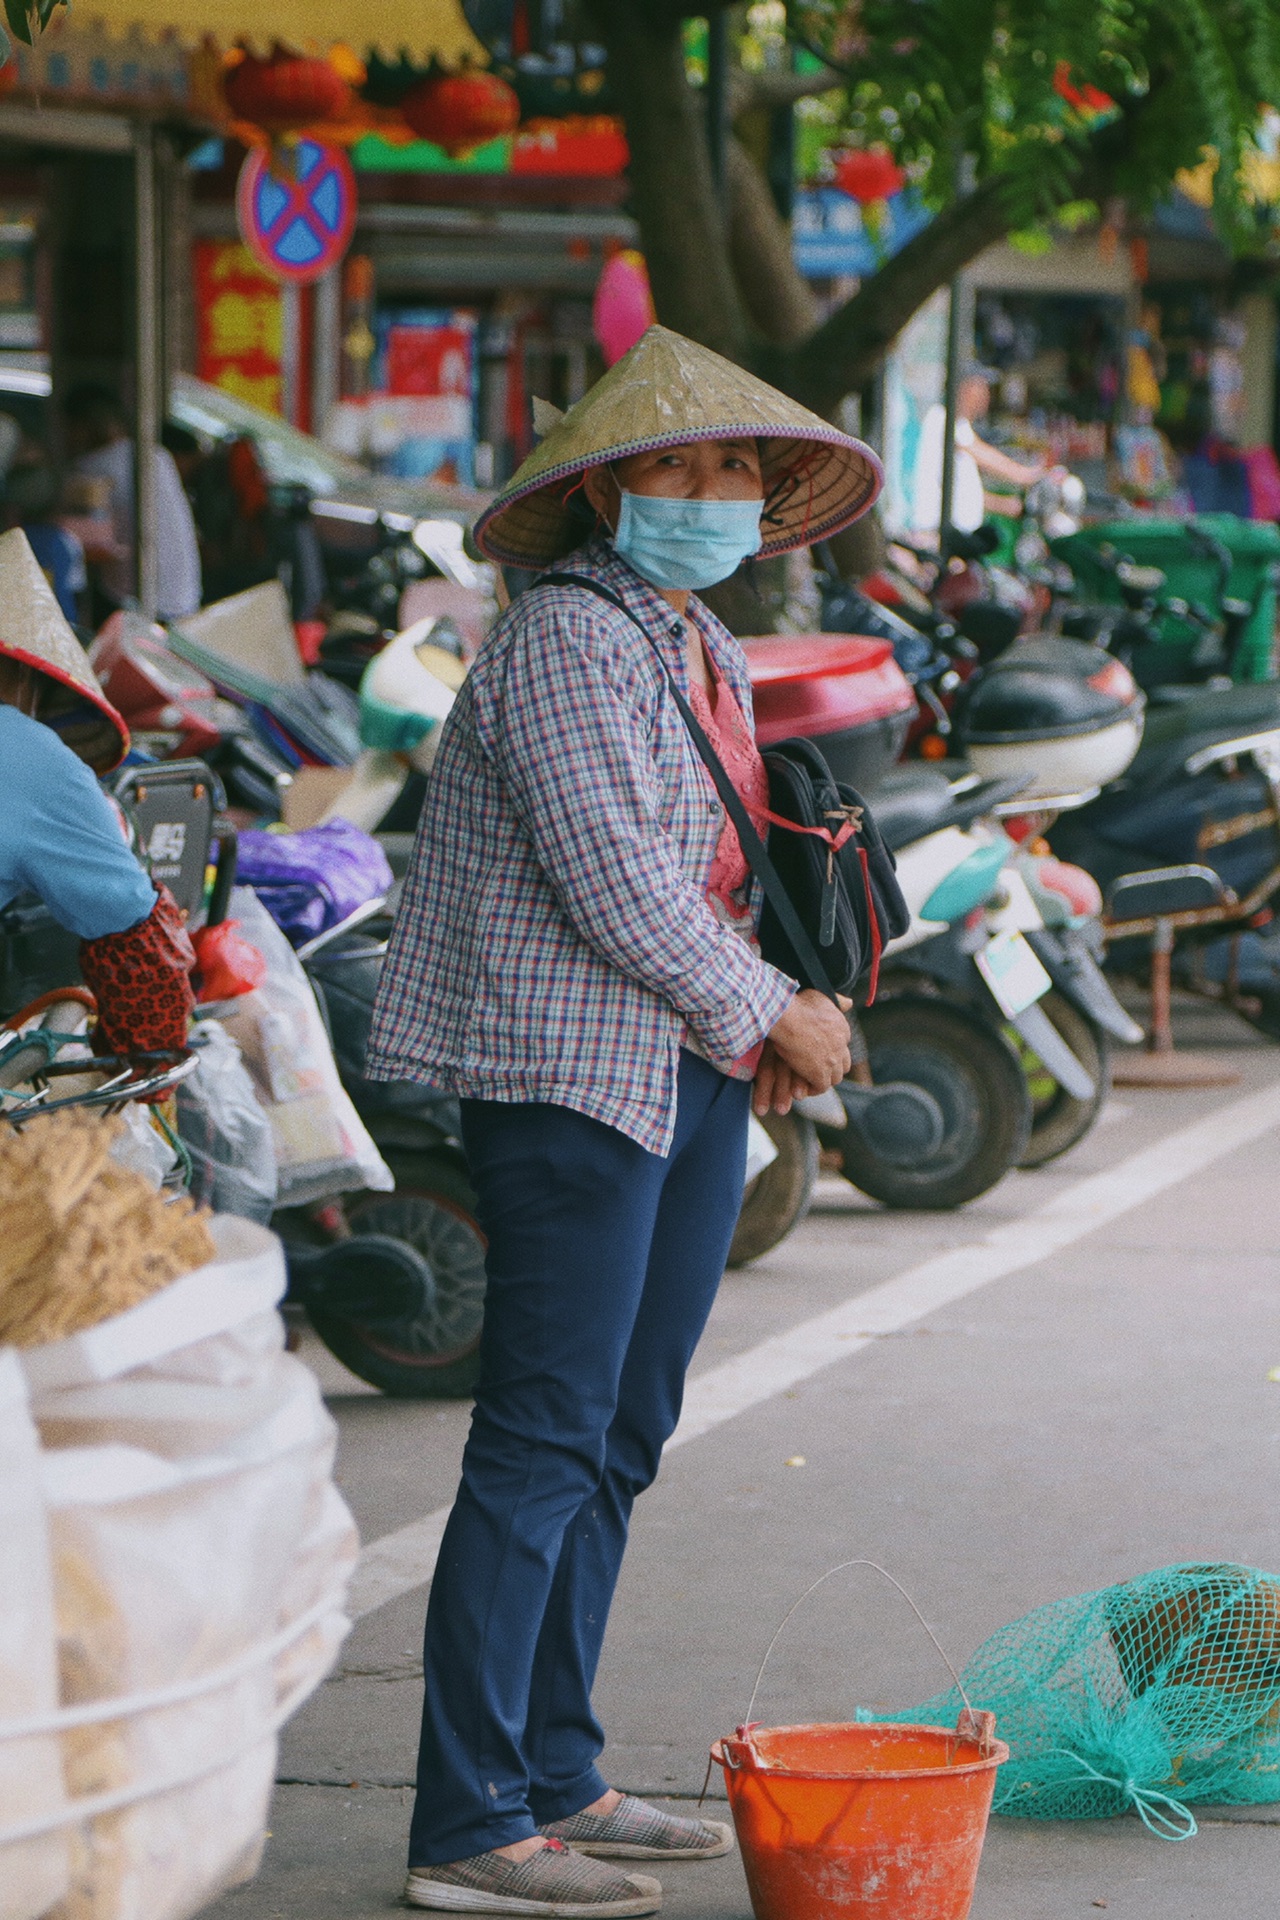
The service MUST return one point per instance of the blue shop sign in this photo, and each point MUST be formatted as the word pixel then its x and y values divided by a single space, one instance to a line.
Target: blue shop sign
pixel 830 236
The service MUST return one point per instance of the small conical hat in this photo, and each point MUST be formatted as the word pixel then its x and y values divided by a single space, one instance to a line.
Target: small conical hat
pixel 667 390
pixel 34 630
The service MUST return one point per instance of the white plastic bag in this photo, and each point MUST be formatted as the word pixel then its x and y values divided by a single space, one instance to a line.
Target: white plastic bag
pixel 201 1554
pixel 33 1872
pixel 143 1149
pixel 225 1131
pixel 322 1145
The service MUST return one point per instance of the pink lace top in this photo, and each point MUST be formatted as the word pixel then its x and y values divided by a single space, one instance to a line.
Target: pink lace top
pixel 728 885
pixel 729 882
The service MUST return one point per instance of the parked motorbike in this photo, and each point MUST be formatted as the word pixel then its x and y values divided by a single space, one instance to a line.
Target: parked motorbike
pixel 1028 1079
pixel 1004 1018
pixel 1188 600
pixel 1200 807
pixel 1216 636
pixel 417 1253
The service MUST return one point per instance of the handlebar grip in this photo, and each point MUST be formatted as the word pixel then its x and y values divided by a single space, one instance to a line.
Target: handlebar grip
pixel 224 874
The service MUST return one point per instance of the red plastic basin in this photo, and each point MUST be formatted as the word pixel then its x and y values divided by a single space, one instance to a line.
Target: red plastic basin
pixel 820 683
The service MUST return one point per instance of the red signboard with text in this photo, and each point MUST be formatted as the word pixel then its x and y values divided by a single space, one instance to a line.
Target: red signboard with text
pixel 239 323
pixel 429 360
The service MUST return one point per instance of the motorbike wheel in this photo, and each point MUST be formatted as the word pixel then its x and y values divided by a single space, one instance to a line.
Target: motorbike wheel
pixel 777 1199
pixel 976 1078
pixel 1058 1119
pixel 437 1355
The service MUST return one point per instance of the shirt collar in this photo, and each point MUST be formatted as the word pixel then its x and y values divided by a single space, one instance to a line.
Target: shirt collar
pixel 658 616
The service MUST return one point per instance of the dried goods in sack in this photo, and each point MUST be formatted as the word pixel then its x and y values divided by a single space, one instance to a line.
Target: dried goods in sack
pixel 84 1238
pixel 1147 1697
pixel 33 1871
pixel 200 1570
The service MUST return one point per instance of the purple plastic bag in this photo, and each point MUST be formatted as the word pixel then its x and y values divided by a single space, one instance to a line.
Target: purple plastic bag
pixel 310 881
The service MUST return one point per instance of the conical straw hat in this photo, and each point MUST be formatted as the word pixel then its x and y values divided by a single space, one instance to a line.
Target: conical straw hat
pixel 34 630
pixel 665 391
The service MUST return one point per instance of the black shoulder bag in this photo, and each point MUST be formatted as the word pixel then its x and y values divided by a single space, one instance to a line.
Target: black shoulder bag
pixel 831 892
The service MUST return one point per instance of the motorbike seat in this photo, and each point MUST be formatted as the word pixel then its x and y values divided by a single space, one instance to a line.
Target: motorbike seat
pixel 1172 733
pixel 909 803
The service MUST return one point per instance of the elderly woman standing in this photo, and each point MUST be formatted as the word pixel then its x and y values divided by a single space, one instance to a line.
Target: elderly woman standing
pixel 575 958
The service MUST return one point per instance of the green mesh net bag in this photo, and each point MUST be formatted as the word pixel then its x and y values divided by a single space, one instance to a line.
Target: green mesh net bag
pixel 1148 1697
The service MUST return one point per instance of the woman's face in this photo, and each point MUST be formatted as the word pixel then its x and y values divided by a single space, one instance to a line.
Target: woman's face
pixel 700 470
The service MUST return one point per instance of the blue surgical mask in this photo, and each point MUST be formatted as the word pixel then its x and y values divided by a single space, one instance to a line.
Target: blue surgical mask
pixel 686 543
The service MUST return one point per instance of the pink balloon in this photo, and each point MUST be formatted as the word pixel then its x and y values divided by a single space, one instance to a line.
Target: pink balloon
pixel 623 307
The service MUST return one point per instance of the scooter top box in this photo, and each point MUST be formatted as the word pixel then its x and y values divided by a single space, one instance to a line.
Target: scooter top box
pixel 1067 712
pixel 845 692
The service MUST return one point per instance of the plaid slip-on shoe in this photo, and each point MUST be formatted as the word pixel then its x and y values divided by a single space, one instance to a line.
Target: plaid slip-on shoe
pixel 637 1831
pixel 552 1882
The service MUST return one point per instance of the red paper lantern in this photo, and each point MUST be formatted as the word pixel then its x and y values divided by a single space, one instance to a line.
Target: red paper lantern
pixel 1088 101
pixel 868 174
pixel 461 110
pixel 287 92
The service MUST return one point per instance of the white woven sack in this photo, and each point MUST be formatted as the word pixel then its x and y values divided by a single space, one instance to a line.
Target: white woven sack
pixel 216 1324
pixel 33 1873
pixel 199 1600
pixel 201 1553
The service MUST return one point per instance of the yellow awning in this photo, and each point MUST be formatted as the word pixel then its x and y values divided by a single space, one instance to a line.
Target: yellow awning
pixel 423 29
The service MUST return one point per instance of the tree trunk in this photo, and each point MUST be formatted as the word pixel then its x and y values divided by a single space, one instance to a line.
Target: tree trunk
pixel 846 350
pixel 778 300
pixel 716 285
pixel 682 226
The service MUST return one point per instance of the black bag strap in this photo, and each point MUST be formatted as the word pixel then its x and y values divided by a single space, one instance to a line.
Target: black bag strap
pixel 749 840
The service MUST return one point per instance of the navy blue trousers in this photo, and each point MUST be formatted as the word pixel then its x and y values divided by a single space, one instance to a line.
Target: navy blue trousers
pixel 602 1266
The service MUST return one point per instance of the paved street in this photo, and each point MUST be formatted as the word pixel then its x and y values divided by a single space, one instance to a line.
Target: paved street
pixel 1062 1386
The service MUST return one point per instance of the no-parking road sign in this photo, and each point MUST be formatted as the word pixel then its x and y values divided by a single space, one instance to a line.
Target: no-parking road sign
pixel 296 211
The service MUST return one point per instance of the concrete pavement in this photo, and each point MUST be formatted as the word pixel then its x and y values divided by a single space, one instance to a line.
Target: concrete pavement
pixel 1054 1427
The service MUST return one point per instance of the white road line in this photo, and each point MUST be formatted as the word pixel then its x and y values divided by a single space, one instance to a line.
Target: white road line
pixel 396 1564
pixel 405 1559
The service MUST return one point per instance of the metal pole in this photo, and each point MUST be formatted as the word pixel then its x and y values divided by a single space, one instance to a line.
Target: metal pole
pixel 146 417
pixel 718 96
pixel 1160 1039
pixel 950 399
pixel 326 348
pixel 290 352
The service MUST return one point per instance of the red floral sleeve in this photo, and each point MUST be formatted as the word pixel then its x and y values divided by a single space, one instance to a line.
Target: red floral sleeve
pixel 141 980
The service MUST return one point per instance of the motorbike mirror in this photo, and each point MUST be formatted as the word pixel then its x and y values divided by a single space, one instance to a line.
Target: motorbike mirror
pixel 1163 893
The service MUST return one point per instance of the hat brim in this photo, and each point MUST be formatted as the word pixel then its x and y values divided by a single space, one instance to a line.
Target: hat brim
pixel 101 741
pixel 815 483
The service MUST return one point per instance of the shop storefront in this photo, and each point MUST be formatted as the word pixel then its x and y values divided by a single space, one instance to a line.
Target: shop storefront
pixel 468 288
pixel 103 274
pixel 1134 362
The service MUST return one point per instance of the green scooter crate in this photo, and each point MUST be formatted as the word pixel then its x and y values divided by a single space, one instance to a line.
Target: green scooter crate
pixel 1191 574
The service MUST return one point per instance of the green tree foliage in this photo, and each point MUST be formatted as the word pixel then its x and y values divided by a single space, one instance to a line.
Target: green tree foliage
pixel 1003 112
pixel 26 19
pixel 976 89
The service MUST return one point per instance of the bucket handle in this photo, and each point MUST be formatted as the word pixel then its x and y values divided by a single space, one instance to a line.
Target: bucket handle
pixel 980 1726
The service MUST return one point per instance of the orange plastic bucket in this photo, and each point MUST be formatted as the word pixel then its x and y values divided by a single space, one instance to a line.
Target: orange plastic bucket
pixel 865 1822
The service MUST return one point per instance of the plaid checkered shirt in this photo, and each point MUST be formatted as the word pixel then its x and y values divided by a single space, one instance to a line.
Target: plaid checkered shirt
pixel 554 942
